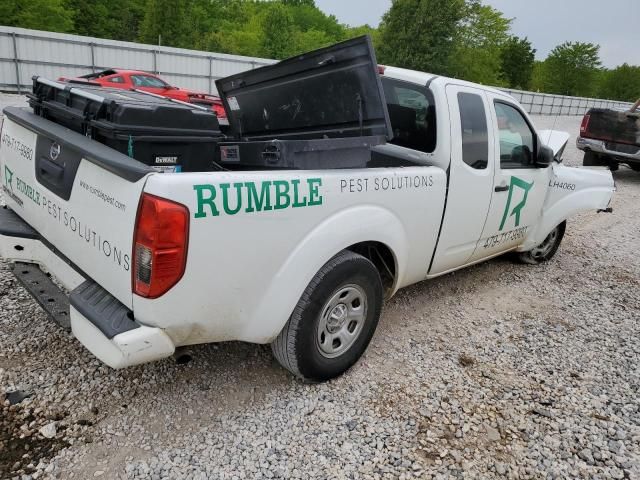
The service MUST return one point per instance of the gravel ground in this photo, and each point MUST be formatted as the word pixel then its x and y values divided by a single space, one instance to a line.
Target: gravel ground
pixel 499 370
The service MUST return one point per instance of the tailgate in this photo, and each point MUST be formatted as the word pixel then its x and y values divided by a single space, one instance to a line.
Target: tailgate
pixel 613 126
pixel 80 195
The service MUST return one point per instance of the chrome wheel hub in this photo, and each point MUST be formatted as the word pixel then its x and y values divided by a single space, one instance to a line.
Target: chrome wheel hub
pixel 341 321
pixel 337 317
pixel 546 246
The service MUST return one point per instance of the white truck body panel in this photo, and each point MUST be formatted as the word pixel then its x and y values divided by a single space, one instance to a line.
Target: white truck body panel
pixel 571 191
pixel 94 227
pixel 288 246
pixel 458 239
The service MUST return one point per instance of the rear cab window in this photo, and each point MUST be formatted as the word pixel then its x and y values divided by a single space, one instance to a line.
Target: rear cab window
pixel 412 113
pixel 473 126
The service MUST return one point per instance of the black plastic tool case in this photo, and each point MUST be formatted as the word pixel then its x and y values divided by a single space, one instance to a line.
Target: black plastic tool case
pixel 167 135
pixel 324 109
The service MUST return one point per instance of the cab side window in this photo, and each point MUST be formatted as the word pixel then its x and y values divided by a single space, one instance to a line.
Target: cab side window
pixel 412 113
pixel 517 144
pixel 473 123
pixel 116 80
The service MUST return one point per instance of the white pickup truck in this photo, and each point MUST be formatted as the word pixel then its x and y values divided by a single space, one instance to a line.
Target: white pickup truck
pixel 299 258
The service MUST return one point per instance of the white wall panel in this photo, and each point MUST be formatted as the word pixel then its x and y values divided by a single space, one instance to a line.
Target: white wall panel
pixel 170 63
pixel 8 78
pixel 6 46
pixel 113 57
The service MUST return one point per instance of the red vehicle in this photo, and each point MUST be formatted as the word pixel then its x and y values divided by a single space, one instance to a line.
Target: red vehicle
pixel 148 82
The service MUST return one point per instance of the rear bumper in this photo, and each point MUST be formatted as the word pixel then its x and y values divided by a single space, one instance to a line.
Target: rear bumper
pixel 106 327
pixel 598 146
pixel 141 344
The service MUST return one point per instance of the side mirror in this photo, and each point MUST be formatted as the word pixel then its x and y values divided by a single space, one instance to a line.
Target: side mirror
pixel 544 157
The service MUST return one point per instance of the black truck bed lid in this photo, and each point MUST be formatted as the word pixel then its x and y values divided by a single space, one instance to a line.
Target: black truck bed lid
pixel 330 92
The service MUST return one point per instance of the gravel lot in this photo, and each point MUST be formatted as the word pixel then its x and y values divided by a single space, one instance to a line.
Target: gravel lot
pixel 500 370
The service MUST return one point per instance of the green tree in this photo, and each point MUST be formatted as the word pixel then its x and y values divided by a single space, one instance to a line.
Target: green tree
pixel 49 15
pixel 230 26
pixel 480 36
pixel 279 32
pixel 298 3
pixel 517 59
pixel 164 23
pixel 419 34
pixel 621 83
pixel 306 16
pixel 538 77
pixel 571 69
pixel 374 33
pixel 310 40
pixel 113 19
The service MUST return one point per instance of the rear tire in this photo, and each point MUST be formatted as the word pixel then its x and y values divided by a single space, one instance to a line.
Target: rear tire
pixel 591 159
pixel 334 320
pixel 547 249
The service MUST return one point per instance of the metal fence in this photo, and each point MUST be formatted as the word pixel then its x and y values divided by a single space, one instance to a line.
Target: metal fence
pixel 547 104
pixel 24 53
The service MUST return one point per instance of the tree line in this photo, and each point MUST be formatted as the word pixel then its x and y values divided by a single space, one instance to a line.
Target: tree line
pixel 460 38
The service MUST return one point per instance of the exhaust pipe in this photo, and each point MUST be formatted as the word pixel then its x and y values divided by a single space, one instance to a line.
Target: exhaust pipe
pixel 182 355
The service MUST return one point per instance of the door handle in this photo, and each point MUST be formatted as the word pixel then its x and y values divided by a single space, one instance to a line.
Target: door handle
pixel 52 171
pixel 502 188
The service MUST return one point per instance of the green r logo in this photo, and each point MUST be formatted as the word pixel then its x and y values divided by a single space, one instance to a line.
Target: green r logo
pixel 8 177
pixel 515 182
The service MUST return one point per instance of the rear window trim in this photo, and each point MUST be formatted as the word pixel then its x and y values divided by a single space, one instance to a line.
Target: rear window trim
pixel 486 128
pixel 429 95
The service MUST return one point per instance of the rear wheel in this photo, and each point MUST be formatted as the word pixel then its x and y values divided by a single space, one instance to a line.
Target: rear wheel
pixel 591 159
pixel 334 320
pixel 545 250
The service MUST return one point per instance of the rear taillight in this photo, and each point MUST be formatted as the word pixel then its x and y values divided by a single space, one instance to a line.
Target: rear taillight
pixel 159 245
pixel 219 109
pixel 584 126
pixel 381 69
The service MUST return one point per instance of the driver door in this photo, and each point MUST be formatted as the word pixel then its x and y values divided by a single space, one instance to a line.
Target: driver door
pixel 519 186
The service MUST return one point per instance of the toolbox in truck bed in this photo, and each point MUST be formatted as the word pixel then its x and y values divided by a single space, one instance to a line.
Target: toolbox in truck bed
pixel 324 109
pixel 164 134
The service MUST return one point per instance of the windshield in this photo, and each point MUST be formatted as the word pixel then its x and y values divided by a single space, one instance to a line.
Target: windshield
pixel 148 81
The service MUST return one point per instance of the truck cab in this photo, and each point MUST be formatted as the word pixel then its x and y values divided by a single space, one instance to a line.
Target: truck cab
pixel 500 172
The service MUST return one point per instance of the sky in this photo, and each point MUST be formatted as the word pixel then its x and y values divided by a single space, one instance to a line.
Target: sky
pixel 613 24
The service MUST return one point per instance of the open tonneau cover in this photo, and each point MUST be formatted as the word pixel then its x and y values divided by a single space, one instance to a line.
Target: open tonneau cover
pixel 331 92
